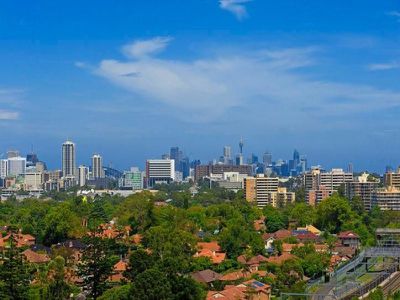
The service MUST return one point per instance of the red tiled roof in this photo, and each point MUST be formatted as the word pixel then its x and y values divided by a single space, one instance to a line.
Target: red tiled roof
pixel 347 234
pixel 216 257
pixel 213 246
pixel 278 260
pixel 255 260
pixel 206 276
pixel 120 266
pixel 34 257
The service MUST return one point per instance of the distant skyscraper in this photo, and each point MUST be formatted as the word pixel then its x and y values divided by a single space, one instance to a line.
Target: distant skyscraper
pixel 12 153
pixel 350 168
pixel 68 159
pixel 83 175
pixel 267 158
pixel 296 156
pixel 31 159
pixel 239 159
pixel 176 155
pixel 97 166
pixel 16 166
pixel 227 152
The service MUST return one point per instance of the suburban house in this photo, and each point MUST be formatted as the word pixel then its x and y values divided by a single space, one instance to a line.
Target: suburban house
pixel 211 250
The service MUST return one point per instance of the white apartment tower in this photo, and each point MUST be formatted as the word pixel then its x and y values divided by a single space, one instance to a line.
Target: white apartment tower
pixel 83 175
pixel 97 166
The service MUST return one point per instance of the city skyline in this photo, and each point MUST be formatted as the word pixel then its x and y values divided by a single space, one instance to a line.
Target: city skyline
pixel 128 81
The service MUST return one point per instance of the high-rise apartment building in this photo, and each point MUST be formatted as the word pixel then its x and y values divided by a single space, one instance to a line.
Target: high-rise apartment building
pixel 16 166
pixel 83 175
pixel 362 187
pixel 267 159
pixel 387 198
pixel 160 171
pixel 266 191
pixel 68 159
pixel 392 178
pixel 3 168
pixel 228 152
pixel 317 195
pixel 331 180
pixel 97 166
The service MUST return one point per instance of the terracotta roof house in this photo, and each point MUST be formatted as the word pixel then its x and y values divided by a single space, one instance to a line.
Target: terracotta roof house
pixel 253 262
pixel 286 247
pixel 257 289
pixel 206 276
pixel 262 290
pixel 35 258
pixel 349 239
pixel 278 260
pixel 278 235
pixel 242 274
pixel 229 293
pixel 305 236
pixel 119 269
pixel 211 250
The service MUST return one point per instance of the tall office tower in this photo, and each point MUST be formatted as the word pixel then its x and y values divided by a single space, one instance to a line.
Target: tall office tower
pixel 83 175
pixel 267 159
pixel 160 171
pixel 68 159
pixel 31 159
pixel 296 156
pixel 239 159
pixel 176 155
pixel 16 166
pixel 97 166
pixel 350 168
pixel 12 153
pixel 3 168
pixel 227 152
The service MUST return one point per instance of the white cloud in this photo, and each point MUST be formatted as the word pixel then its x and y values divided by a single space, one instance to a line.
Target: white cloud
pixel 9 100
pixel 267 80
pixel 8 115
pixel 395 14
pixel 143 48
pixel 384 66
pixel 237 7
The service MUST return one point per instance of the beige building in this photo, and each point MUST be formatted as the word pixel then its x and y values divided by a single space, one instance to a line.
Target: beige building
pixel 387 198
pixel 362 187
pixel 392 178
pixel 314 197
pixel 266 191
pixel 33 181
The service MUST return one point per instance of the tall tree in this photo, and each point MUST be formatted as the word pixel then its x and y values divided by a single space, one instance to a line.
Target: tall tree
pixel 14 274
pixel 96 265
pixel 58 288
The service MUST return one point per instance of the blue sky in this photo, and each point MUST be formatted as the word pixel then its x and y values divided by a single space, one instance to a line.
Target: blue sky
pixel 129 79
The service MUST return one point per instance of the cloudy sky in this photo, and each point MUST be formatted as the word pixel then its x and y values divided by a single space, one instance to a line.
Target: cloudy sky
pixel 129 79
